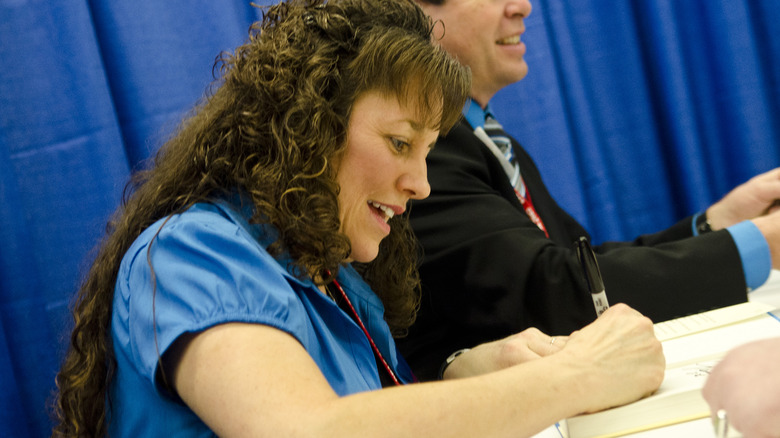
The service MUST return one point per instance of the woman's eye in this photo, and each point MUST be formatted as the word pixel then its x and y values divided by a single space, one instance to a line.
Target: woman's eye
pixel 399 145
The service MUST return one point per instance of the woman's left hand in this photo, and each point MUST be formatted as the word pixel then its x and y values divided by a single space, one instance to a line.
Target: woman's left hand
pixel 530 344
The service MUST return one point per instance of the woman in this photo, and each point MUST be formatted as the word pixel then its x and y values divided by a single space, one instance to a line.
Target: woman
pixel 224 300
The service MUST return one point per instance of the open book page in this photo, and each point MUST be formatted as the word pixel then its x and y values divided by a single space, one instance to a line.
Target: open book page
pixel 715 343
pixel 700 322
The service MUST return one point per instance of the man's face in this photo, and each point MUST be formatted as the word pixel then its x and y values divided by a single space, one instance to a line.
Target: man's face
pixel 485 35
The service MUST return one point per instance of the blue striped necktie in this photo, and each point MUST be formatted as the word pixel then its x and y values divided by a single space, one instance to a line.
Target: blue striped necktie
pixel 501 139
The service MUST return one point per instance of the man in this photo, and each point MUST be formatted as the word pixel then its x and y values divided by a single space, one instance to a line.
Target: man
pixel 498 256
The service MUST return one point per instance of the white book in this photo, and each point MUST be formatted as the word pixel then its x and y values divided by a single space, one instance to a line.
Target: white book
pixel 692 346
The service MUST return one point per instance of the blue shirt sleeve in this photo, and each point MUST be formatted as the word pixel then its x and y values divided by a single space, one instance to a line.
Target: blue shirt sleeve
pixel 208 271
pixel 753 251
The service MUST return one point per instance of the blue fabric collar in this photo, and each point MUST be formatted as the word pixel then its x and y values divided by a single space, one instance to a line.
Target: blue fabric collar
pixel 240 208
pixel 475 114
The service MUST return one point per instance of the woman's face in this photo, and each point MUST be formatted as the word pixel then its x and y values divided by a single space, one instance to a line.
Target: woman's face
pixel 382 167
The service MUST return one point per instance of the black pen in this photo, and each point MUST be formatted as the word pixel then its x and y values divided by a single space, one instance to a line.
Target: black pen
pixel 590 269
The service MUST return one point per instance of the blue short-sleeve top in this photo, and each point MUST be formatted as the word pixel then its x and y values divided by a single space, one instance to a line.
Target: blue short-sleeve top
pixel 211 266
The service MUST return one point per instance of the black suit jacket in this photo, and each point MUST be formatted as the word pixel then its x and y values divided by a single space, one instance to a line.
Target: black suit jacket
pixel 489 272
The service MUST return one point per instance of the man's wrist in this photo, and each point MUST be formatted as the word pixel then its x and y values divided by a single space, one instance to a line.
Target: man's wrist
pixel 702 224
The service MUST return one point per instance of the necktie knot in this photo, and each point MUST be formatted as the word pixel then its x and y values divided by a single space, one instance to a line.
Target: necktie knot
pixel 491 123
pixel 496 132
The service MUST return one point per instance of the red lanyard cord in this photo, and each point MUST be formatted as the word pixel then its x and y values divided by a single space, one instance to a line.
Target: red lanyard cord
pixel 528 206
pixel 365 331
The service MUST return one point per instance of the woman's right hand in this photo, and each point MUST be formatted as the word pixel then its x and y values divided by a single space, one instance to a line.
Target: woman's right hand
pixel 622 357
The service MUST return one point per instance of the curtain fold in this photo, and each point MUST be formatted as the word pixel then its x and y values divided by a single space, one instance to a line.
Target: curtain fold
pixel 61 165
pixel 11 411
pixel 158 58
pixel 638 113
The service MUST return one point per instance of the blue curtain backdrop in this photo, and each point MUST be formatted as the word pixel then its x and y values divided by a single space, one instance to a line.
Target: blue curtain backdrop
pixel 638 112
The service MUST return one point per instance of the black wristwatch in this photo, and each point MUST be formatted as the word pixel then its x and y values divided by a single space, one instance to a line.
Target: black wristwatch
pixel 703 224
pixel 449 360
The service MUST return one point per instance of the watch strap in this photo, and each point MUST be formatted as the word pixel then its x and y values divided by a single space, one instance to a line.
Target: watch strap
pixel 449 360
pixel 703 224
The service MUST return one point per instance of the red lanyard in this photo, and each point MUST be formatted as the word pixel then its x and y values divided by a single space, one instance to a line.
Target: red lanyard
pixel 528 206
pixel 370 339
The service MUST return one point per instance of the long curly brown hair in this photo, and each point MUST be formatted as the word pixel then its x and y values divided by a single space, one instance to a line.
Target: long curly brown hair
pixel 271 129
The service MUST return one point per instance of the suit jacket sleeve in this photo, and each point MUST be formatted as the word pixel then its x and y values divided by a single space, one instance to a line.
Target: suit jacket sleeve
pixel 488 271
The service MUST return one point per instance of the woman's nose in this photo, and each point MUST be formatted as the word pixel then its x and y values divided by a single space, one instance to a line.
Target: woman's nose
pixel 414 181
